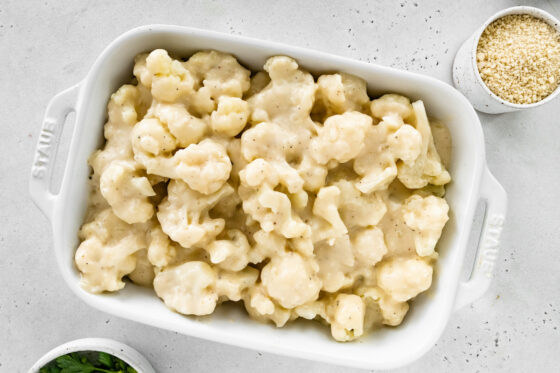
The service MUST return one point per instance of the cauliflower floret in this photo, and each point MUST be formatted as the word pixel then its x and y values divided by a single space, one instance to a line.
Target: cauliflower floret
pixel 127 192
pixel 189 288
pixel 161 251
pixel 230 117
pixel 339 93
pixel 405 143
pixel 359 209
pixel 326 206
pixel 391 105
pixel 288 85
pixel 391 312
pixel 272 209
pixel 184 217
pixel 426 217
pixel 388 142
pixel 260 307
pixel 267 245
pixel 231 253
pixel 231 285
pixel 185 128
pixel 347 317
pixel 283 126
pixel 311 310
pixel 266 143
pixel 404 278
pixel 144 273
pixel 219 74
pixel 341 138
pixel 369 245
pixel 291 280
pixel 125 108
pixel 427 167
pixel 167 78
pixel 106 253
pixel 150 138
pixel 204 166
pixel 384 144
pixel 258 82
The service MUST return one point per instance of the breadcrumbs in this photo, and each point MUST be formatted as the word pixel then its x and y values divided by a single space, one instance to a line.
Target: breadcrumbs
pixel 518 57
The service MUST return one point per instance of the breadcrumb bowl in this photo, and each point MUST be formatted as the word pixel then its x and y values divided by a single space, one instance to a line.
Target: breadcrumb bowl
pixel 385 348
pixel 505 75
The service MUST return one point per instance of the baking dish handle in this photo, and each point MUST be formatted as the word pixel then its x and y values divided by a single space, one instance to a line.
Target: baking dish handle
pixel 43 163
pixel 488 246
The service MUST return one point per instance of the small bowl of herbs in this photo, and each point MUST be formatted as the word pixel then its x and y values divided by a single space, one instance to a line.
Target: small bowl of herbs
pixel 92 355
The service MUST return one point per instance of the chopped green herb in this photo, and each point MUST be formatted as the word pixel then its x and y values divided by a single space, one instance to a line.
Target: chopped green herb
pixel 78 363
pixel 105 359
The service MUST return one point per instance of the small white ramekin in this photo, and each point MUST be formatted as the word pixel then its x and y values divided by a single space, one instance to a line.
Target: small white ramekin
pixel 467 78
pixel 118 349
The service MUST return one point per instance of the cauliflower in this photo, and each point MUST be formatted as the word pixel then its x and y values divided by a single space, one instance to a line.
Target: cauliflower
pixel 359 209
pixel 230 117
pixel 346 316
pixel 231 285
pixel 127 191
pixel 404 278
pixel 391 105
pixel 189 288
pixel 426 217
pixel 369 245
pixel 384 145
pixel 260 307
pixel 125 108
pixel 161 251
pixel 282 126
pixel 184 216
pixel 341 138
pixel 326 206
pixel 218 74
pixel 272 209
pixel 391 312
pixel 265 143
pixel 150 141
pixel 312 310
pixel 144 273
pixel 231 253
pixel 387 142
pixel 267 245
pixel 106 253
pixel 340 93
pixel 185 128
pixel 291 280
pixel 427 167
pixel 204 166
pixel 167 78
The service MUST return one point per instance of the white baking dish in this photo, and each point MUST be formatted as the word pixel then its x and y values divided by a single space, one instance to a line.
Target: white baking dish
pixel 383 349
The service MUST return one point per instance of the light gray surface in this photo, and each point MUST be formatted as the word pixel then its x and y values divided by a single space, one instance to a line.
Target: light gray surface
pixel 47 46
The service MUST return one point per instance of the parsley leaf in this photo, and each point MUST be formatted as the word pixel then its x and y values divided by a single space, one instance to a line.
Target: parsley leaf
pixel 72 364
pixel 79 363
pixel 106 359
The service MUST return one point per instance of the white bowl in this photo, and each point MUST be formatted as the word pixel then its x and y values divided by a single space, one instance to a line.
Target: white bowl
pixel 467 78
pixel 118 349
pixel 382 349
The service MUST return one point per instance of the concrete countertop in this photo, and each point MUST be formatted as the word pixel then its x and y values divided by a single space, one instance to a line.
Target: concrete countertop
pixel 50 45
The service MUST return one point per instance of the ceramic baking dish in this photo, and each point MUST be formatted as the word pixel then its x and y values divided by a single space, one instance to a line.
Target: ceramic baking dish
pixel 382 349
